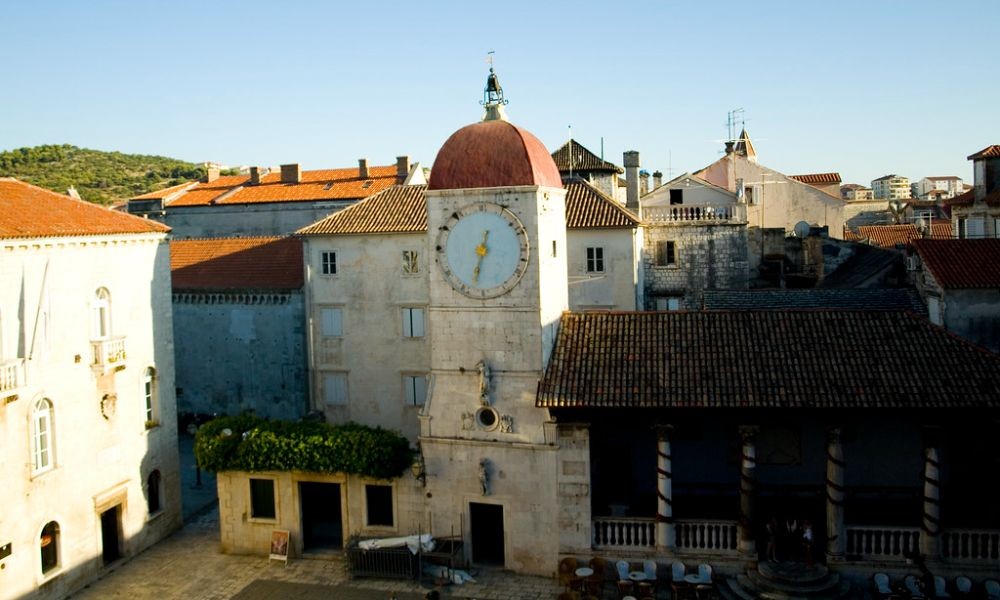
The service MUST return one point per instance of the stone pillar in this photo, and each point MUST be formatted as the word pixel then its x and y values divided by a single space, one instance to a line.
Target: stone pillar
pixel 930 528
pixel 748 483
pixel 836 537
pixel 666 535
pixel 631 160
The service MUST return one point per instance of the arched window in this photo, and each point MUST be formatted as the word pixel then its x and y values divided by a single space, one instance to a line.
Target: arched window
pixel 41 435
pixel 149 396
pixel 101 314
pixel 153 493
pixel 48 543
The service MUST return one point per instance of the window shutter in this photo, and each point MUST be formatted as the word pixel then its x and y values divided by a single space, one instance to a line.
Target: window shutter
pixel 332 322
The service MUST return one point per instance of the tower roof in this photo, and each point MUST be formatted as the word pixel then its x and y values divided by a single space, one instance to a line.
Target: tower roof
pixel 745 147
pixel 572 156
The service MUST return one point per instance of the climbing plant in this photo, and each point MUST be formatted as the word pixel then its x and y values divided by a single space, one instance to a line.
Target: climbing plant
pixel 249 443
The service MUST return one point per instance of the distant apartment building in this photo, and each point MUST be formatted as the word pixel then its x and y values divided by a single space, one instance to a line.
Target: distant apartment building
pixel 854 192
pixel 937 188
pixel 891 187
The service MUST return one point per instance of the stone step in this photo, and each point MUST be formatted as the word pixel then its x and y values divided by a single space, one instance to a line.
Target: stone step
pixel 794 587
pixel 793 572
pixel 747 588
pixel 731 590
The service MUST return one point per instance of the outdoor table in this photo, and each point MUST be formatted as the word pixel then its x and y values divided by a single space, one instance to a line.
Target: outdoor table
pixel 584 572
pixel 693 579
pixel 637 576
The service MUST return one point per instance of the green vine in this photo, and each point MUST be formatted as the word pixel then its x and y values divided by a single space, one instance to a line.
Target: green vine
pixel 248 443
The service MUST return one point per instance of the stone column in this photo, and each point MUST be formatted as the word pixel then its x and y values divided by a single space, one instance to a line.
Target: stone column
pixel 748 483
pixel 930 528
pixel 836 537
pixel 666 535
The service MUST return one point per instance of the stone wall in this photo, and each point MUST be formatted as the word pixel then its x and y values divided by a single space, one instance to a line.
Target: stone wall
pixel 709 256
pixel 265 219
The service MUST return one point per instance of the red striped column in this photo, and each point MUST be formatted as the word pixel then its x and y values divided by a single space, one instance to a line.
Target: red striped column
pixel 748 486
pixel 930 528
pixel 666 535
pixel 836 538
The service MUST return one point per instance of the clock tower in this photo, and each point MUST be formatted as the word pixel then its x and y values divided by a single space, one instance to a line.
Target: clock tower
pixel 496 220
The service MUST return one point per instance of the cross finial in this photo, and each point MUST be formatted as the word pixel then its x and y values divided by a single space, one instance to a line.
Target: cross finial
pixel 489 58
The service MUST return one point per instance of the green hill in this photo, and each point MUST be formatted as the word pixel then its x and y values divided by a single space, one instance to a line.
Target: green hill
pixel 101 177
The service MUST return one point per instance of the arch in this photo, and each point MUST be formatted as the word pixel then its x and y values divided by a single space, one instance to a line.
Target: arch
pixel 153 486
pixel 42 435
pixel 48 546
pixel 100 308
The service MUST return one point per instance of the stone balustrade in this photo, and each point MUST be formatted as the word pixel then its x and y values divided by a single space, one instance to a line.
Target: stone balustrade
pixel 624 533
pixel 970 544
pixel 706 537
pixel 11 375
pixel 638 534
pixel 109 353
pixel 732 213
pixel 879 543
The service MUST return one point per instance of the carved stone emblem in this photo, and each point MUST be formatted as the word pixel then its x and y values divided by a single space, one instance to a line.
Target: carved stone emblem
pixel 108 404
pixel 506 424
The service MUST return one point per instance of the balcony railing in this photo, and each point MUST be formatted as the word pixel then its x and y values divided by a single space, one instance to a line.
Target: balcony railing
pixel 971 545
pixel 874 543
pixel 11 375
pixel 109 353
pixel 696 537
pixel 734 213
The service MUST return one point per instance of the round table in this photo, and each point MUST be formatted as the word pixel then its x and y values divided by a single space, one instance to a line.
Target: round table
pixel 584 572
pixel 693 579
pixel 637 576
pixel 628 597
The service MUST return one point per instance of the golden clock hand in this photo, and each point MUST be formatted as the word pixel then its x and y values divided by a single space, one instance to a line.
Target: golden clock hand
pixel 481 251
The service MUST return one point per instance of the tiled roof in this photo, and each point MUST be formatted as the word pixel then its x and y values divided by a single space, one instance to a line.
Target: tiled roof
pixel 327 184
pixel 588 208
pixel 399 209
pixel 582 159
pixel 969 197
pixel 817 178
pixel 890 236
pixel 27 211
pixel 236 263
pixel 945 178
pixel 853 186
pixel 766 359
pixel 165 192
pixel 856 299
pixel 987 152
pixel 962 264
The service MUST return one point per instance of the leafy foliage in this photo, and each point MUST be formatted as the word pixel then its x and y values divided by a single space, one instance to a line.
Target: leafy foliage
pixel 249 443
pixel 101 177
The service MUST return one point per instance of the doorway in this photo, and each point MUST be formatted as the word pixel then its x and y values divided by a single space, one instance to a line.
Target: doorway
pixel 322 528
pixel 111 534
pixel 486 523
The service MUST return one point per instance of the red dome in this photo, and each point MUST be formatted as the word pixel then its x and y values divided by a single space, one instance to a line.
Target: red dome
pixel 492 154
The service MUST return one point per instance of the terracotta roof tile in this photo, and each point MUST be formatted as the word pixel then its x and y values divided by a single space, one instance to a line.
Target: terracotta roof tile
pixel 582 159
pixel 962 264
pixel 27 211
pixel 589 208
pixel 325 184
pixel 850 299
pixel 766 359
pixel 399 209
pixel 166 192
pixel 817 178
pixel 987 152
pixel 890 236
pixel 968 199
pixel 237 263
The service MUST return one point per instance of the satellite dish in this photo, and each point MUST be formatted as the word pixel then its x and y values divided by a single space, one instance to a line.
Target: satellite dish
pixel 802 229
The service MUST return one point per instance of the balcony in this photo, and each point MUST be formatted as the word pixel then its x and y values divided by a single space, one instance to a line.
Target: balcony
pixel 695 215
pixel 639 535
pixel 11 377
pixel 109 354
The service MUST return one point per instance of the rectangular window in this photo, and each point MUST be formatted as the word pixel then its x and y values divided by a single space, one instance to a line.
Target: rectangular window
pixel 413 322
pixel 378 499
pixel 748 195
pixel 335 389
pixel 416 389
pixel 328 262
pixel 595 260
pixel 676 197
pixel 976 228
pixel 666 254
pixel 410 266
pixel 962 231
pixel 672 303
pixel 262 499
pixel 331 322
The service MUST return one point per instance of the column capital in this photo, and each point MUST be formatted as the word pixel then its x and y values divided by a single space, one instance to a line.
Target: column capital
pixel 663 430
pixel 748 433
pixel 833 434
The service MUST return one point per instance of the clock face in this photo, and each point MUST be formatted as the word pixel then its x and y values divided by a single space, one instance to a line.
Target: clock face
pixel 483 250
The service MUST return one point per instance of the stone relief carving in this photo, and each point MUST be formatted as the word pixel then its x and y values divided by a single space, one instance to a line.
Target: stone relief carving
pixel 506 424
pixel 468 421
pixel 484 382
pixel 484 476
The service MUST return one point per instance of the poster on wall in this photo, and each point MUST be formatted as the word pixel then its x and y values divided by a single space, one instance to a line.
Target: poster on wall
pixel 279 545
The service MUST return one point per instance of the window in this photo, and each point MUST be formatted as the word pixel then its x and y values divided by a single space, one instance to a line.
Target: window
pixel 100 309
pixel 331 322
pixel 666 254
pixel 149 395
pixel 153 504
pixel 262 499
pixel 413 322
pixel 670 303
pixel 41 436
pixel 749 195
pixel 976 228
pixel 328 263
pixel 962 231
pixel 335 389
pixel 676 197
pixel 934 310
pixel 410 266
pixel 378 499
pixel 595 260
pixel 48 543
pixel 553 248
pixel 416 389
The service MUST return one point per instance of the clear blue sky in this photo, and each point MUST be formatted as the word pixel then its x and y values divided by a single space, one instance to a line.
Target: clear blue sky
pixel 865 88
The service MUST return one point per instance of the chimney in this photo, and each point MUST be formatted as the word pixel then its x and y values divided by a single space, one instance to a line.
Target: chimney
pixel 657 179
pixel 72 193
pixel 291 173
pixel 643 183
pixel 363 168
pixel 402 167
pixel 211 174
pixel 729 147
pixel 255 175
pixel 631 159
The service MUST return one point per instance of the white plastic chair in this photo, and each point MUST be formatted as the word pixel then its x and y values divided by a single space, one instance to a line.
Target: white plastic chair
pixel 677 571
pixel 963 584
pixel 649 568
pixel 940 587
pixel 704 573
pixel 622 567
pixel 913 586
pixel 992 589
pixel 882 584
